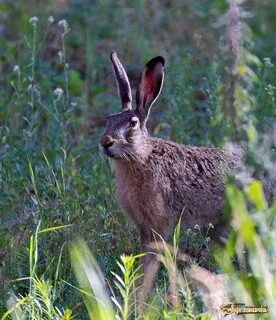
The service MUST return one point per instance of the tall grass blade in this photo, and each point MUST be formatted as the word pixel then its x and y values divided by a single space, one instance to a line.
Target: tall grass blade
pixel 91 280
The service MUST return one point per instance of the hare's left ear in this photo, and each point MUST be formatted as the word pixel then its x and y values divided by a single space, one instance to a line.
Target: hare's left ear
pixel 123 85
pixel 149 87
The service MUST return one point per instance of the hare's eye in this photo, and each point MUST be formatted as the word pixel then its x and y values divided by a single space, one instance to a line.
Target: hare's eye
pixel 133 123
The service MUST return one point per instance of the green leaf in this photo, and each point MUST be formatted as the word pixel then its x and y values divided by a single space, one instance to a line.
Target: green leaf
pixel 242 221
pixel 91 280
pixel 51 229
pixel 255 195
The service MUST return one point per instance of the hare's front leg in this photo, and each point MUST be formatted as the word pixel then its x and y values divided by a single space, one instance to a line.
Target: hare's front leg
pixel 149 263
pixel 149 267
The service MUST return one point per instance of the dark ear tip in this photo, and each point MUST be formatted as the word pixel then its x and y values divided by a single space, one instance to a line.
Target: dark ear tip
pixel 155 60
pixel 113 55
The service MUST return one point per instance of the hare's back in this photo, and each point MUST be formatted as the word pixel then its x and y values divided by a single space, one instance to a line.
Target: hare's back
pixel 191 180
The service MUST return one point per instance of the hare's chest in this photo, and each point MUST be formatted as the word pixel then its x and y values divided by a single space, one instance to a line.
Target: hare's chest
pixel 134 193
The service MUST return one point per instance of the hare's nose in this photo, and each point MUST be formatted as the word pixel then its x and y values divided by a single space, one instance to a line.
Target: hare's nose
pixel 106 141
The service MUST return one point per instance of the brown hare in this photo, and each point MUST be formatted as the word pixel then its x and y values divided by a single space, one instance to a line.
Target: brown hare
pixel 157 181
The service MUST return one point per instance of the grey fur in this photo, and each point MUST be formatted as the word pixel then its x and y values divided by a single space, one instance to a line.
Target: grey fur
pixel 157 181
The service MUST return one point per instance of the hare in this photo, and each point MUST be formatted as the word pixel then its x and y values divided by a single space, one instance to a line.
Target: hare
pixel 157 181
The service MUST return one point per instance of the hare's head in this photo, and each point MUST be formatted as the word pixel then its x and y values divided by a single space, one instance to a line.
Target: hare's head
pixel 126 136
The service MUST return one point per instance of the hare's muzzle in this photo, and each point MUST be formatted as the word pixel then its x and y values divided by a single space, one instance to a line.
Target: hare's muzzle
pixel 106 141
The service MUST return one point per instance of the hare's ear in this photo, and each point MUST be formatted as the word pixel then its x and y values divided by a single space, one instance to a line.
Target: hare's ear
pixel 149 87
pixel 123 85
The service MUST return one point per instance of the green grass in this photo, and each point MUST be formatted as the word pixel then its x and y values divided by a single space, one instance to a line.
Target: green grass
pixel 251 243
pixel 55 186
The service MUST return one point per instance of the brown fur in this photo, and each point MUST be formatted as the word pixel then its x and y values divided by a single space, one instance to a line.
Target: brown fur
pixel 169 180
pixel 158 181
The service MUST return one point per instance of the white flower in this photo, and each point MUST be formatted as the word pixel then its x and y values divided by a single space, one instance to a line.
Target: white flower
pixel 33 20
pixel 211 225
pixel 16 69
pixel 51 19
pixel 64 24
pixel 60 54
pixel 58 92
pixel 197 227
pixel 270 89
pixel 268 62
pixel 189 231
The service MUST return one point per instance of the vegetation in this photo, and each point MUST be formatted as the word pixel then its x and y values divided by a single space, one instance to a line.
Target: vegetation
pixel 56 88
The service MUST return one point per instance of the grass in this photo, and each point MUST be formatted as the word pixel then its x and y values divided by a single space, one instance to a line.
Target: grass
pixel 56 82
pixel 254 283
